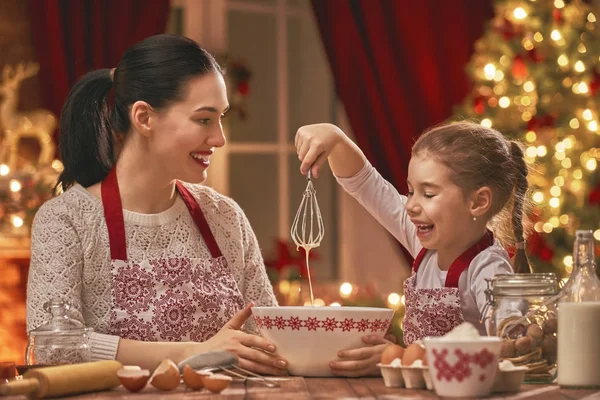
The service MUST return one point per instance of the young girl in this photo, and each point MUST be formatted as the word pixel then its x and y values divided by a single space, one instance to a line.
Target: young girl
pixel 158 268
pixel 462 179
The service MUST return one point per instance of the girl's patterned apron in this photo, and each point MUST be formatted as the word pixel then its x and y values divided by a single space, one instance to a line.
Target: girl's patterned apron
pixel 436 311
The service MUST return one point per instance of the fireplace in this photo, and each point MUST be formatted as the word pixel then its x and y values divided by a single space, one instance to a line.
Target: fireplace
pixel 14 265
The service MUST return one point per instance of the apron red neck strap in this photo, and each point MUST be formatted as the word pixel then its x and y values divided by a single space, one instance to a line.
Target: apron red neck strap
pixel 113 214
pixel 462 262
pixel 200 220
pixel 115 223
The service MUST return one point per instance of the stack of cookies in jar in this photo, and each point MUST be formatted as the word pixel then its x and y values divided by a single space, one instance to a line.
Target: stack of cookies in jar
pixel 531 343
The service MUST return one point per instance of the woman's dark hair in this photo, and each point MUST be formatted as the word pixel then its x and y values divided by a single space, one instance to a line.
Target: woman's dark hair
pixel 154 70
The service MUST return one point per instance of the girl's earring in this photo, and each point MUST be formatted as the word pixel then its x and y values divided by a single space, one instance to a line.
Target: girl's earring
pixel 474 218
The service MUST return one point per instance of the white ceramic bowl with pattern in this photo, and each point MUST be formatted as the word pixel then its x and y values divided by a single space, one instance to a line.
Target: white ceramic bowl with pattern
pixel 463 368
pixel 309 338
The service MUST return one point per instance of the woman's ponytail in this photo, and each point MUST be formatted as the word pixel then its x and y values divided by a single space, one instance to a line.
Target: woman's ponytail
pixel 86 138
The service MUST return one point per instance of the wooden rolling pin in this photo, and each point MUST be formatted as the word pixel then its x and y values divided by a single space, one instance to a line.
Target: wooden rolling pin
pixel 64 380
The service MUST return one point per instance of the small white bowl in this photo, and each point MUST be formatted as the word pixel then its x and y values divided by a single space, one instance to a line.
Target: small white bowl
pixel 509 381
pixel 392 376
pixel 463 368
pixel 413 377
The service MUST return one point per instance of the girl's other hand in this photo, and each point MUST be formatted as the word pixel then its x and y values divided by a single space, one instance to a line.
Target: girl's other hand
pixel 362 361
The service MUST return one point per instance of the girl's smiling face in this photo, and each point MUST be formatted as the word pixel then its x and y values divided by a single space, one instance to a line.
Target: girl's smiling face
pixel 437 206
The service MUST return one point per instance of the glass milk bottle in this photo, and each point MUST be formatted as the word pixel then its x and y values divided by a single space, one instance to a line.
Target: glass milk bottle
pixel 579 320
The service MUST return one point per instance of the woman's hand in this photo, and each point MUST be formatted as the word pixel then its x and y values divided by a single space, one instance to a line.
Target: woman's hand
pixel 314 143
pixel 255 353
pixel 362 361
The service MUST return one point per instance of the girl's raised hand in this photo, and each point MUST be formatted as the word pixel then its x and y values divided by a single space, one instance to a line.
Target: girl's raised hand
pixel 314 143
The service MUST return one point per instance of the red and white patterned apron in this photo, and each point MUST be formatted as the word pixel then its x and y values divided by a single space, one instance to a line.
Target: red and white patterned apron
pixel 436 311
pixel 173 299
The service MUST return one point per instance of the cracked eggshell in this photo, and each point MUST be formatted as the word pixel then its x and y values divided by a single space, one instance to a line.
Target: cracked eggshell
pixel 166 376
pixel 133 378
pixel 194 379
pixel 216 383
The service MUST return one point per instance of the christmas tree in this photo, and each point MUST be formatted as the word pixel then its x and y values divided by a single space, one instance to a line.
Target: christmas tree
pixel 536 77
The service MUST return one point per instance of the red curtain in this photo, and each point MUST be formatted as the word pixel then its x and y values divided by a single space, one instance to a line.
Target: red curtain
pixel 73 37
pixel 399 67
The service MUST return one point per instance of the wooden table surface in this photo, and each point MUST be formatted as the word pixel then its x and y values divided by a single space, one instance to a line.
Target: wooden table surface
pixel 298 388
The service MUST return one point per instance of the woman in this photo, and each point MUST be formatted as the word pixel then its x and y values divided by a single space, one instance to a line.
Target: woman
pixel 159 268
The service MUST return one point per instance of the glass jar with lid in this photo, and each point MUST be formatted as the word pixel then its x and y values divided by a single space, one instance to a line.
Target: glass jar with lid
pixel 523 311
pixel 60 340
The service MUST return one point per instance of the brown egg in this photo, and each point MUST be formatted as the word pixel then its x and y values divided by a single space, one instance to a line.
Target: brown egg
pixel 390 353
pixel 166 376
pixel 216 383
pixel 193 379
pixel 133 379
pixel 412 353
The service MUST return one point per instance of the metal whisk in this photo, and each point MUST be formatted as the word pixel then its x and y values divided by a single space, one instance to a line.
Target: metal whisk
pixel 308 229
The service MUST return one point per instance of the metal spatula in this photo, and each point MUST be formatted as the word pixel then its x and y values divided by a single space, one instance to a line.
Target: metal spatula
pixel 225 361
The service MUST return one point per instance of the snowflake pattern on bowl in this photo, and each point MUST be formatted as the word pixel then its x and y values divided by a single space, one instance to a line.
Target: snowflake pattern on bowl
pixel 328 324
